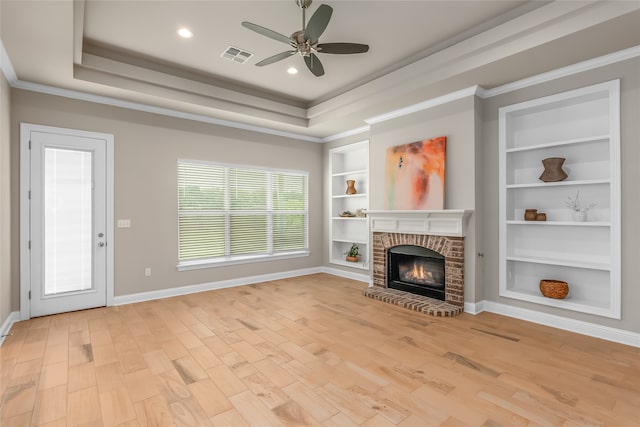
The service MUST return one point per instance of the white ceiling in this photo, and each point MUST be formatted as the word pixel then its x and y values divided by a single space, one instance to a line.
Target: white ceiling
pixel 129 51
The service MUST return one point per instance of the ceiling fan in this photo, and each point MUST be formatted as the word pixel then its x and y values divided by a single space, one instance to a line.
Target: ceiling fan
pixel 305 41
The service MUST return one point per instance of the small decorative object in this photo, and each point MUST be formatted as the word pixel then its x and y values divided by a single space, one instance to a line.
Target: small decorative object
pixel 552 288
pixel 351 186
pixel 530 214
pixel 553 170
pixel 352 253
pixel 361 213
pixel 541 216
pixel 347 214
pixel 579 210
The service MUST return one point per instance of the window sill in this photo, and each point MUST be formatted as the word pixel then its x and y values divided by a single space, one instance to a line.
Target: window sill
pixel 222 262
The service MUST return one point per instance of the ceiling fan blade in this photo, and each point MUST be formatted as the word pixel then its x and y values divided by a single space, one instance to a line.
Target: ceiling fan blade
pixel 342 48
pixel 267 32
pixel 275 58
pixel 314 65
pixel 318 23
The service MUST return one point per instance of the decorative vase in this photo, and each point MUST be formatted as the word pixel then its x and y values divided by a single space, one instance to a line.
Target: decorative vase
pixel 541 216
pixel 580 216
pixel 352 258
pixel 553 170
pixel 351 186
pixel 530 214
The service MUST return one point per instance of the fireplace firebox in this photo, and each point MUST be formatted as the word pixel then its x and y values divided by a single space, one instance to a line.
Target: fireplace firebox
pixel 417 270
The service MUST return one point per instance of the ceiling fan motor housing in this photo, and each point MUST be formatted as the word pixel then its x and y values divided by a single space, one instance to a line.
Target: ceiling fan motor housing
pixel 303 3
pixel 301 44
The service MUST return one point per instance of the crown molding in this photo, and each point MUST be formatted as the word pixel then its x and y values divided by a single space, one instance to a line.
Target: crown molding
pixel 348 133
pixel 580 67
pixel 425 105
pixel 6 65
pixel 569 70
pixel 99 99
pixel 623 55
pixel 9 73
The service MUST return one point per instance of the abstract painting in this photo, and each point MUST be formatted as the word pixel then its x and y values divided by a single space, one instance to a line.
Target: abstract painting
pixel 415 175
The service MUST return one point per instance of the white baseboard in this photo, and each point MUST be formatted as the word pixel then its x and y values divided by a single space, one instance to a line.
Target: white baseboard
pixel 12 318
pixel 347 274
pixel 184 290
pixel 585 328
pixel 474 308
pixel 191 289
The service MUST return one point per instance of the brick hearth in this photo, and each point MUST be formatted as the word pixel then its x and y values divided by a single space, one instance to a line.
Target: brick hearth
pixel 452 248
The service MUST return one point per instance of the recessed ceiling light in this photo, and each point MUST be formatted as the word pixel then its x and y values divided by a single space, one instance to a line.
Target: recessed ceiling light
pixel 185 32
pixel 292 70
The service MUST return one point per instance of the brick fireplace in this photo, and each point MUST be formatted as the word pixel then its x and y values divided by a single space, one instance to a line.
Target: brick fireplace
pixel 439 231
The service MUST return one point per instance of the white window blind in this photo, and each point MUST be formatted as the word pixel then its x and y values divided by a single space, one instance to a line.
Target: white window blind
pixel 228 213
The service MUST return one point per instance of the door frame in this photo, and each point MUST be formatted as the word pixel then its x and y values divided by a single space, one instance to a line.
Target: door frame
pixel 25 208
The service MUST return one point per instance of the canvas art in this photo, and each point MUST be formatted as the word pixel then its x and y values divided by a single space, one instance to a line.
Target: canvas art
pixel 415 175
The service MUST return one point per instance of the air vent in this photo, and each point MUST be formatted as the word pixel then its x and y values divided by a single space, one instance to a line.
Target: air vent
pixel 236 54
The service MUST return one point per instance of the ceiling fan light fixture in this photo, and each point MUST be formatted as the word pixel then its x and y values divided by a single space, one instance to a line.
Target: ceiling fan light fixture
pixel 185 33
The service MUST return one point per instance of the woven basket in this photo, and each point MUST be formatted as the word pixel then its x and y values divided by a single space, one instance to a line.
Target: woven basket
pixel 554 288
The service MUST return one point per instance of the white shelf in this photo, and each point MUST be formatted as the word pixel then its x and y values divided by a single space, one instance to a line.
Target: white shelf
pixel 560 183
pixel 562 223
pixel 360 264
pixel 348 196
pixel 583 127
pixel 345 239
pixel 569 303
pixel 349 162
pixel 350 218
pixel 354 172
pixel 559 143
pixel 561 262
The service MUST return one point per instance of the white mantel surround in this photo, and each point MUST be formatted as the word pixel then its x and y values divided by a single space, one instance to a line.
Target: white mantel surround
pixel 447 222
pixel 442 231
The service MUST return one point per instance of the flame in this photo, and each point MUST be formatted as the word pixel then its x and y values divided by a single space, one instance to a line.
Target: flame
pixel 418 272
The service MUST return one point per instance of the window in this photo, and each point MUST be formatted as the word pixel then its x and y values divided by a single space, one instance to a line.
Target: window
pixel 229 214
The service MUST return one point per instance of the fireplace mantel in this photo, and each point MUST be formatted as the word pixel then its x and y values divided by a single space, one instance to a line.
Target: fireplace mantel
pixel 448 222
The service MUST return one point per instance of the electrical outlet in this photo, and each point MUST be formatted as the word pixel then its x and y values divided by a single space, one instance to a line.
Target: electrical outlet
pixel 147 272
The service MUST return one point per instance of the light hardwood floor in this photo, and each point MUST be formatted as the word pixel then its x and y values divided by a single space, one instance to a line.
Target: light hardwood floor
pixel 308 351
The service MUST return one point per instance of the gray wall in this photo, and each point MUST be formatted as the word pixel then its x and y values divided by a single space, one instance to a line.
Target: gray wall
pixel 147 147
pixel 457 121
pixel 5 201
pixel 629 74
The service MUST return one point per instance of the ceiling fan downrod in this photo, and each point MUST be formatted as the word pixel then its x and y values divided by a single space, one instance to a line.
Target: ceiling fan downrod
pixel 304 4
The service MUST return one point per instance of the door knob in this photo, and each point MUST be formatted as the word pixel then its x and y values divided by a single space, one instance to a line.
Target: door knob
pixel 100 244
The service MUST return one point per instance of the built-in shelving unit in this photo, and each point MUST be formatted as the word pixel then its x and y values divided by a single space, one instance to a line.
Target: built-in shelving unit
pixel 349 162
pixel 583 127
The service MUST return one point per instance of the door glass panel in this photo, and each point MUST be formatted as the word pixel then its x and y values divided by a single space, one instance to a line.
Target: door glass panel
pixel 68 228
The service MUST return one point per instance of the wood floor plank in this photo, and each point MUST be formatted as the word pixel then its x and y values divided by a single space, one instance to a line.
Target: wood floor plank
pixel 308 351
pixel 50 405
pixel 83 407
pixel 116 407
pixel 210 397
pixel 253 410
pixel 154 412
pixel 230 418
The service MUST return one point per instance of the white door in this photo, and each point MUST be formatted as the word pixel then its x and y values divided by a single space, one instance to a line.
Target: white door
pixel 68 220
